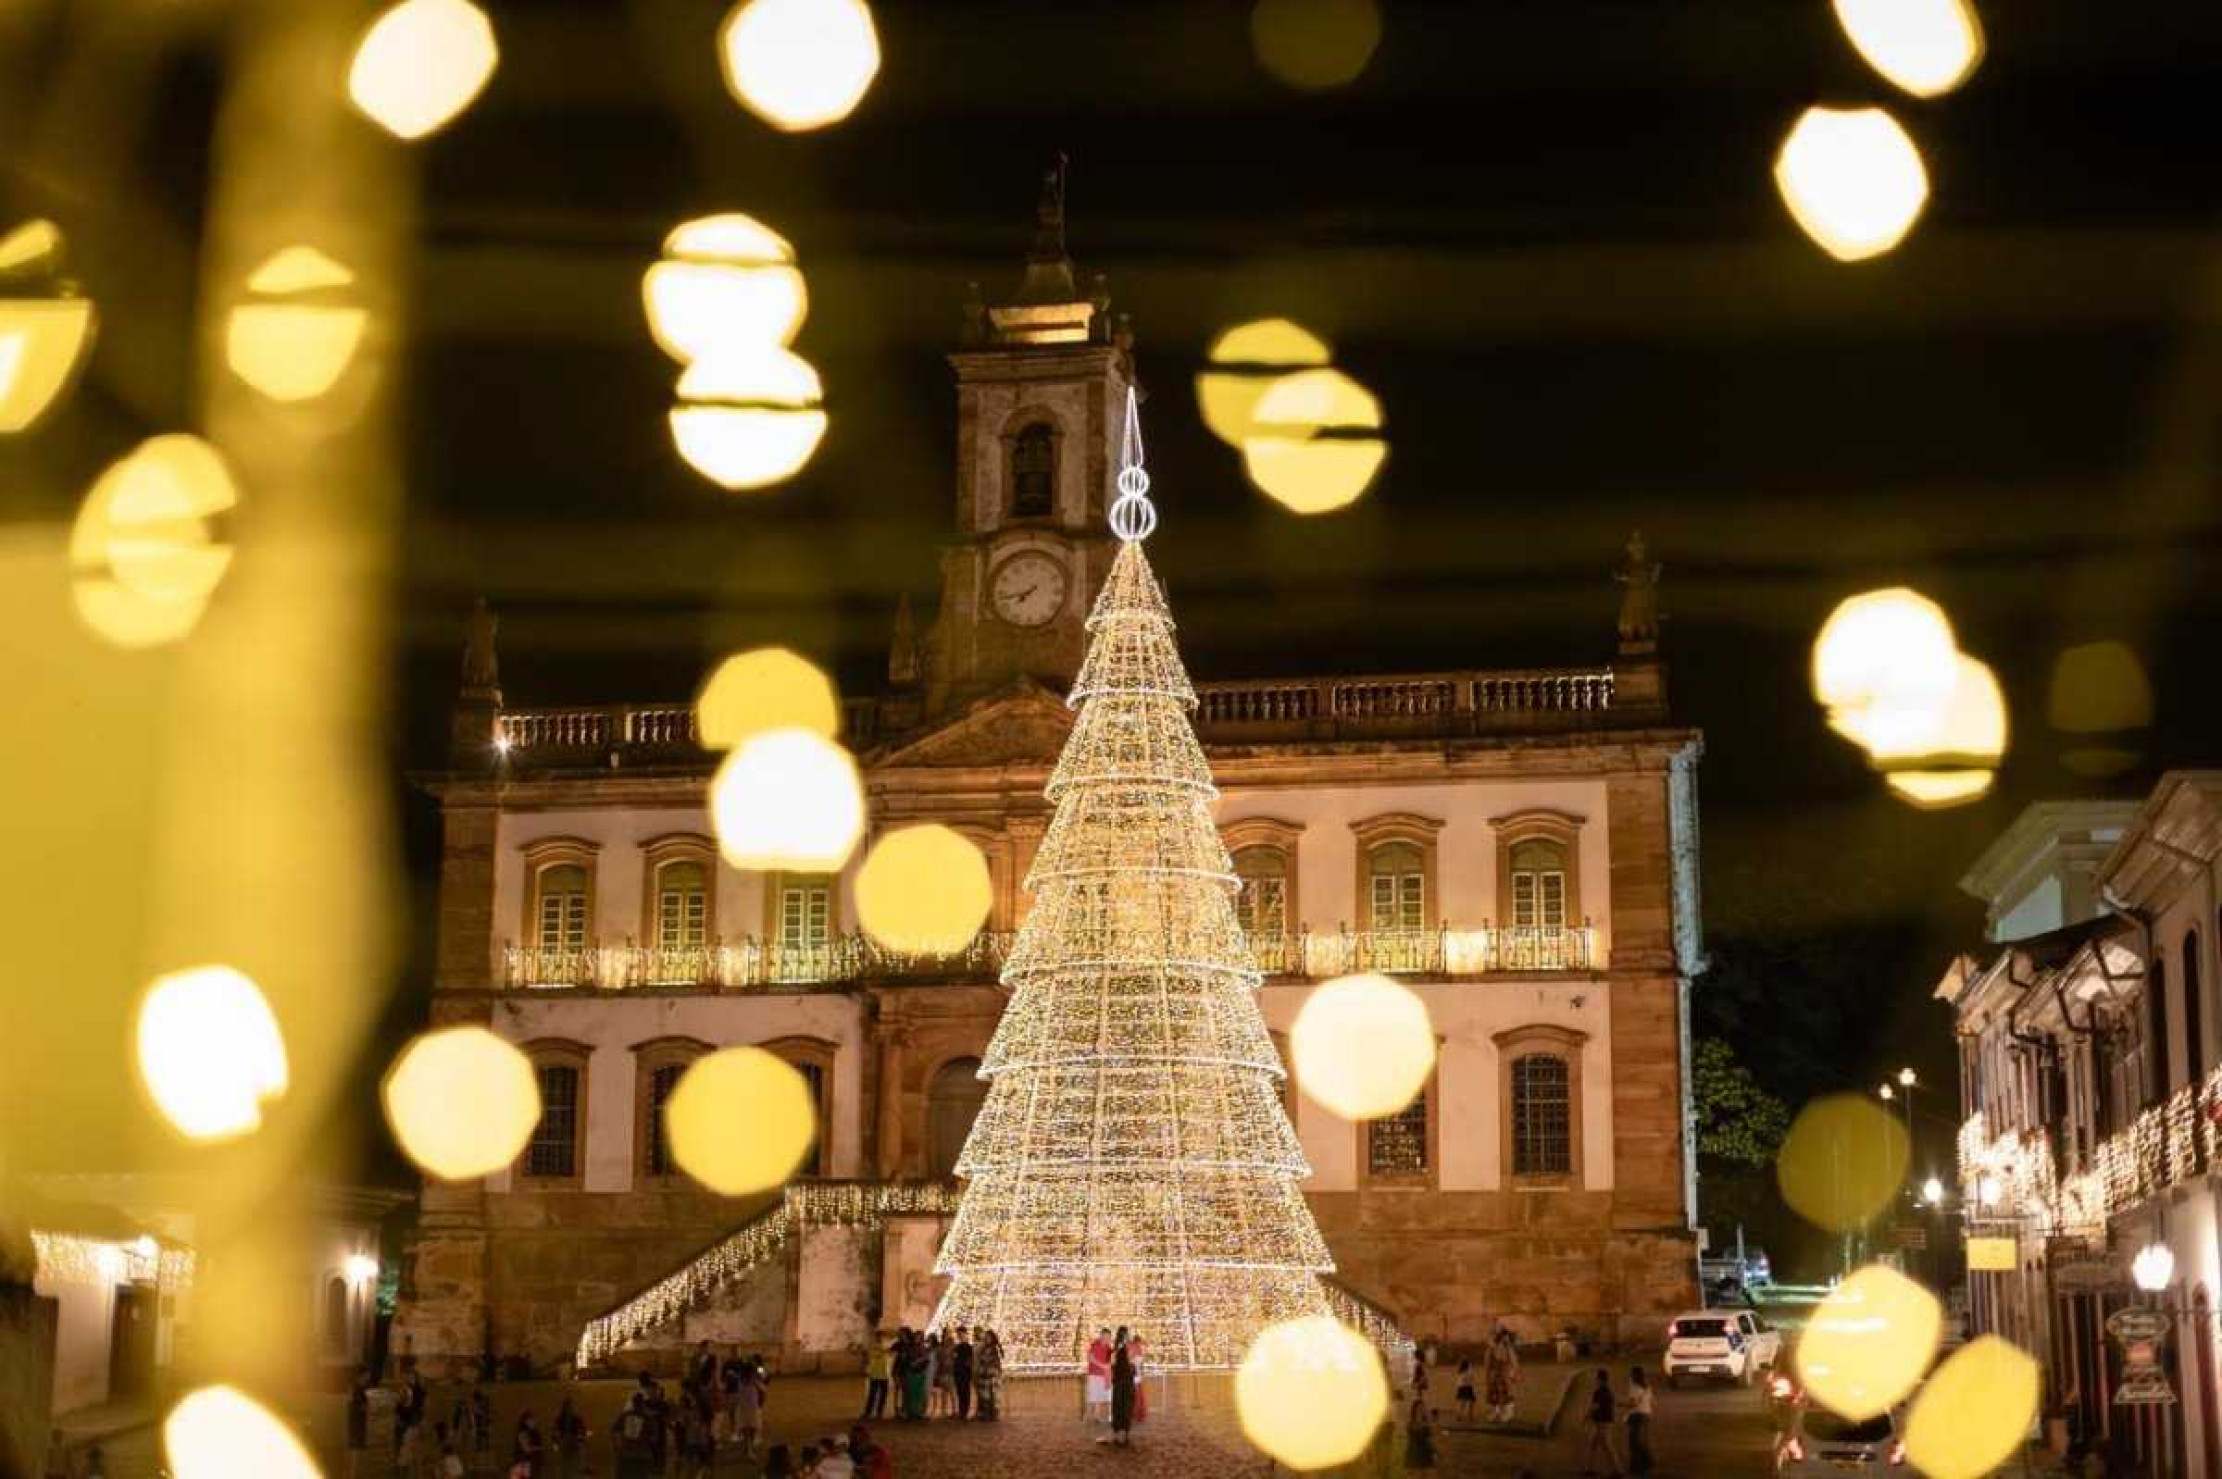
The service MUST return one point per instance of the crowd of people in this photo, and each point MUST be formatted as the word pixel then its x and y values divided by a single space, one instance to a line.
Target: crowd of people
pixel 931 1375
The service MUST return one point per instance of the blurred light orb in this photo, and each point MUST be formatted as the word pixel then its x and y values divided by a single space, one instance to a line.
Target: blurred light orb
pixel 421 63
pixel 143 558
pixel 765 688
pixel 294 336
pixel 1842 1162
pixel 787 799
pixel 1976 1411
pixel 1852 179
pixel 740 1120
pixel 360 1269
pixel 1315 44
pixel 1310 1392
pixel 1884 660
pixel 1243 363
pixel 924 890
pixel 45 327
pixel 750 415
pixel 799 64
pixel 1949 754
pixel 1868 1343
pixel 461 1102
pixel 1315 442
pixel 2153 1268
pixel 1363 1046
pixel 220 1432
pixel 210 1052
pixel 725 279
pixel 2100 693
pixel 1938 790
pixel 1927 47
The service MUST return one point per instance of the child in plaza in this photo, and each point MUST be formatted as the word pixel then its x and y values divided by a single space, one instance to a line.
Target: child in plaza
pixel 1600 1425
pixel 1466 1391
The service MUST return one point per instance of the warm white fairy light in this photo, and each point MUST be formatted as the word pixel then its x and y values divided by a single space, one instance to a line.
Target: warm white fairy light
pixel 1132 1164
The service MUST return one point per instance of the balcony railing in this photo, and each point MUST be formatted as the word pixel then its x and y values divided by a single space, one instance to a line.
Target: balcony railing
pixel 1415 704
pixel 750 963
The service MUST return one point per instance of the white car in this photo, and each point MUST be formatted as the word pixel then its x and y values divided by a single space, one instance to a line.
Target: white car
pixel 1721 1345
pixel 1820 1442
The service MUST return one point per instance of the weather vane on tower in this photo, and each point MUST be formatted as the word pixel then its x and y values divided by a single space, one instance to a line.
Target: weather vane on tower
pixel 1133 516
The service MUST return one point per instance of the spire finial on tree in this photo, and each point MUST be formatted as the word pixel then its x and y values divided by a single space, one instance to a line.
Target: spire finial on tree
pixel 1133 516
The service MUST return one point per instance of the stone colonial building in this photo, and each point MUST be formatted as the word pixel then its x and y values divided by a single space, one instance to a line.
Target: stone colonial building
pixel 2089 1043
pixel 1518 846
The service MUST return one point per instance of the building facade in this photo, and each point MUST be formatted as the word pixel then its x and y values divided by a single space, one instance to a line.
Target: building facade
pixel 1518 846
pixel 2093 1107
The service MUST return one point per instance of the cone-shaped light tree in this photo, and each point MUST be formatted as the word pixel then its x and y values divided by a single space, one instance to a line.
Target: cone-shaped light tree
pixel 1132 1164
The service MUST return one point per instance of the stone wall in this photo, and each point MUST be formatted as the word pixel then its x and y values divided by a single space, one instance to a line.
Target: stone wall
pixel 27 1324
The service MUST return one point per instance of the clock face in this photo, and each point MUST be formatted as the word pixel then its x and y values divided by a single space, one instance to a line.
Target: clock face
pixel 1028 590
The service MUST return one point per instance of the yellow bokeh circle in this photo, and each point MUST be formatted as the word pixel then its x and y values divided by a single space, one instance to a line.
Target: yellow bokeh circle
pixel 1314 443
pixel 788 799
pixel 1315 44
pixel 1311 1392
pixel 420 63
pixel 924 889
pixel 209 1051
pixel 1868 1343
pixel 144 559
pixel 1843 1161
pixel 1363 1046
pixel 740 1121
pixel 765 688
pixel 1976 1411
pixel 220 1432
pixel 1243 363
pixel 461 1102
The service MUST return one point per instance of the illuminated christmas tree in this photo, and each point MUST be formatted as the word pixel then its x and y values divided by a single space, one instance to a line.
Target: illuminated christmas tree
pixel 1132 1164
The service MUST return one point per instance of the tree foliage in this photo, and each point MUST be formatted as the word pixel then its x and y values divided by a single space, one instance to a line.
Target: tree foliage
pixel 1737 1120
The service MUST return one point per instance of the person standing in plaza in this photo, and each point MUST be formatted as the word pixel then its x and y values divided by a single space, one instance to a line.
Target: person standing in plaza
pixel 1501 1379
pixel 916 1367
pixel 1639 1422
pixel 528 1447
pixel 358 1421
pixel 1419 1436
pixel 1465 1392
pixel 1122 1391
pixel 878 1363
pixel 960 1372
pixel 1600 1427
pixel 570 1440
pixel 1096 1394
pixel 945 1376
pixel 748 1409
pixel 987 1375
pixel 1141 1375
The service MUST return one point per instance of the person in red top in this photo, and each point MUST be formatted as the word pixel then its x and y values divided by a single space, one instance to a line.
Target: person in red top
pixel 872 1461
pixel 1099 1377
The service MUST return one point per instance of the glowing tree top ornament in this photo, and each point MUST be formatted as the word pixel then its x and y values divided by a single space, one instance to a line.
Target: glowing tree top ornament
pixel 1132 1164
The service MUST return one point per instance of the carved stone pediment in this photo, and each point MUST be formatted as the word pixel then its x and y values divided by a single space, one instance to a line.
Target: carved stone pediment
pixel 1021 724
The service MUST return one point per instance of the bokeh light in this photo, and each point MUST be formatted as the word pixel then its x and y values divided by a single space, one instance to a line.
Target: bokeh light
pixel 1927 47
pixel 1314 443
pixel 724 279
pixel 461 1102
pixel 800 64
pixel 421 63
pixel 1953 756
pixel 1363 1046
pixel 1843 1161
pixel 749 415
pixel 1315 44
pixel 740 1120
pixel 788 798
pixel 2100 694
pixel 1884 660
pixel 924 889
pixel 1852 179
pixel 143 558
pixel 294 336
pixel 765 688
pixel 1243 363
pixel 45 327
pixel 210 1052
pixel 1868 1343
pixel 1977 1410
pixel 1311 1392
pixel 220 1432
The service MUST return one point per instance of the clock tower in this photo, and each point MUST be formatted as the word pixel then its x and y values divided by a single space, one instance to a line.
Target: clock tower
pixel 1041 381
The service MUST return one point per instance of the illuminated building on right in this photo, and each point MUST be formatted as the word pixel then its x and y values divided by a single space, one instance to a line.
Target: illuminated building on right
pixel 2092 1116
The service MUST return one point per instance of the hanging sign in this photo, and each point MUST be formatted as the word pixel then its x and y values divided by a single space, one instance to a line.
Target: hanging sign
pixel 1992 1255
pixel 2140 1333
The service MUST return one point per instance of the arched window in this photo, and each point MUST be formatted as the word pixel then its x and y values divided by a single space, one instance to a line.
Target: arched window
pixel 953 1102
pixel 1034 472
pixel 2194 1034
pixel 813 1058
pixel 559 907
pixel 1542 1116
pixel 682 906
pixel 1396 887
pixel 658 1065
pixel 335 1315
pixel 1262 906
pixel 557 1147
pixel 1539 883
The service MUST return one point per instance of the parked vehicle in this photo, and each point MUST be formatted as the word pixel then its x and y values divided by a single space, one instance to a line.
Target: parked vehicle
pixel 1730 1277
pixel 1720 1345
pixel 1821 1443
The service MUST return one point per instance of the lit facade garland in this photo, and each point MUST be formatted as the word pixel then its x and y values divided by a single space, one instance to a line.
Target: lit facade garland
pixel 68 1258
pixel 1132 1164
pixel 805 1204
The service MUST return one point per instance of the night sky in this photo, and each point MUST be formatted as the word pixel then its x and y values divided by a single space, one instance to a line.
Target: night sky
pixel 1545 235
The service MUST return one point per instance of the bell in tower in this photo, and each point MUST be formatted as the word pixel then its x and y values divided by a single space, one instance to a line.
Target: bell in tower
pixel 1041 377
